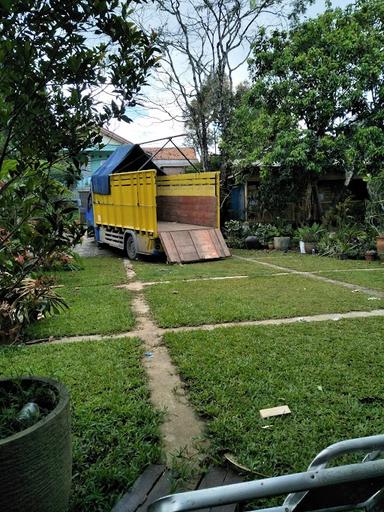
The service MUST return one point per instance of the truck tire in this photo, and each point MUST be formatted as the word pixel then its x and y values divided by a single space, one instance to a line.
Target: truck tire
pixel 130 247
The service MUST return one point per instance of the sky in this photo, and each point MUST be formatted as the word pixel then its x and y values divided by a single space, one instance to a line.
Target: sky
pixel 150 124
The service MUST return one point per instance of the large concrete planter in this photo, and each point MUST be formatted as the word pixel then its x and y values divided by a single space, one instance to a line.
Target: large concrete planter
pixel 36 463
pixel 281 243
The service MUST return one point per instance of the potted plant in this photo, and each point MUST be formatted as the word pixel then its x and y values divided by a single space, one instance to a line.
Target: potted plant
pixel 265 233
pixel 282 239
pixel 251 240
pixel 35 445
pixel 308 237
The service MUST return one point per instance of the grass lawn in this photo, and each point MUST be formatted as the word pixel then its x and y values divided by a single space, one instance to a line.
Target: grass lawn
pixel 94 271
pixel 150 271
pixel 329 374
pixel 252 299
pixel 305 262
pixel 92 310
pixel 115 430
pixel 95 306
pixel 374 280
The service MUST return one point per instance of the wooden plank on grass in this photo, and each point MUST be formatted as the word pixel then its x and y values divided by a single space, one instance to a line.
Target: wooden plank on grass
pixel 216 477
pixel 162 488
pixel 224 248
pixel 140 490
pixel 169 247
pixel 275 411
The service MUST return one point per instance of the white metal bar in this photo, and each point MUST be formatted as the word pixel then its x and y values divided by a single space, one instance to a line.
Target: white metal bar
pixel 268 487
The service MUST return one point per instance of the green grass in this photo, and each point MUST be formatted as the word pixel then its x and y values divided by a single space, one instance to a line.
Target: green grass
pixel 374 280
pixel 328 373
pixel 306 262
pixel 149 271
pixel 252 299
pixel 115 430
pixel 94 271
pixel 92 310
pixel 95 306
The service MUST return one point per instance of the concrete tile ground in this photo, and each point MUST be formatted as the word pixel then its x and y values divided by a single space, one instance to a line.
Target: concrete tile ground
pixel 89 248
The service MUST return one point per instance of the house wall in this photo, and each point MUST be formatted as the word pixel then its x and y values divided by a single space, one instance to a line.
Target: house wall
pixel 171 171
pixel 97 157
pixel 329 191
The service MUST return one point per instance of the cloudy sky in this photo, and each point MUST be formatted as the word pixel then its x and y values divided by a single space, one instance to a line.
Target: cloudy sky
pixel 150 124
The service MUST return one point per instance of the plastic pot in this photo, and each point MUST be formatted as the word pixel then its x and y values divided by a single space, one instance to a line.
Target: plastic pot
pixel 252 242
pixel 36 463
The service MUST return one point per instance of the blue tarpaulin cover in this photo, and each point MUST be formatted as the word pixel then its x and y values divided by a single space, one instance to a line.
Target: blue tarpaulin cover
pixel 127 158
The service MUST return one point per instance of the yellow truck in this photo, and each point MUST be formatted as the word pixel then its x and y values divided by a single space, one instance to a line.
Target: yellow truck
pixel 146 212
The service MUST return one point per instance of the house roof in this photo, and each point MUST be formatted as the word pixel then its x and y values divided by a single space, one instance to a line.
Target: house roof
pixel 172 153
pixel 114 136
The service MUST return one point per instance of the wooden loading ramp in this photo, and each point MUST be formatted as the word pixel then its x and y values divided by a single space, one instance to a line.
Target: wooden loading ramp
pixel 185 243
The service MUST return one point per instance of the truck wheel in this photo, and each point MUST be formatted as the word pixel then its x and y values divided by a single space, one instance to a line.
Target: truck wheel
pixel 130 247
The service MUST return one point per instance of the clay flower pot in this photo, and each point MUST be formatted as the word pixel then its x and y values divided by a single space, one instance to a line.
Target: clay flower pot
pixel 380 245
pixel 370 255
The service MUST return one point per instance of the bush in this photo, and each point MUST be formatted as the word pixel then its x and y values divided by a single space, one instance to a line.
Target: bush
pixel 24 303
pixel 375 206
pixel 235 232
pixel 309 233
pixel 345 213
pixel 62 260
pixel 283 228
pixel 352 242
pixel 41 239
pixel 265 233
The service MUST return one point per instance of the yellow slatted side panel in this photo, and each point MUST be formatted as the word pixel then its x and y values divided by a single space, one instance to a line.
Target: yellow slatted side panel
pixel 191 184
pixel 131 203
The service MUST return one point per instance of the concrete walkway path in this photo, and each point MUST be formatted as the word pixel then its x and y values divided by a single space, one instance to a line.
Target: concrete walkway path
pixel 137 333
pixel 182 431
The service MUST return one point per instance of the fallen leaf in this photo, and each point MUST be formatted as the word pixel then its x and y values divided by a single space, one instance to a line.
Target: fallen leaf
pixel 231 459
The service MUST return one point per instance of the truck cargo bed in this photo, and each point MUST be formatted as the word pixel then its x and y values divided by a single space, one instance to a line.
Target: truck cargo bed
pixel 185 243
